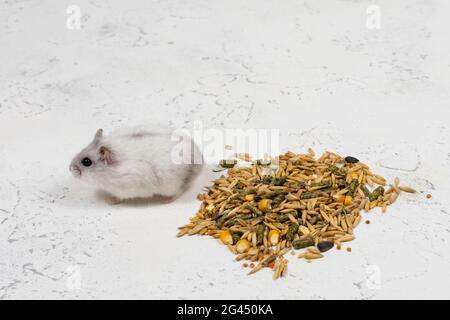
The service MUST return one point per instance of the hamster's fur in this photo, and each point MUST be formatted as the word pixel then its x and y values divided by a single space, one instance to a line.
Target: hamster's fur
pixel 136 162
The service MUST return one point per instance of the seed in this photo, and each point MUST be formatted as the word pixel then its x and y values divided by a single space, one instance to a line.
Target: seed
pixel 262 213
pixel 274 237
pixel 348 200
pixel 428 196
pixel 367 221
pixel 264 205
pixel 225 237
pixel 346 238
pixel 249 197
pixel 242 245
pixel 313 250
pixel 407 189
pixel 340 198
pixel 324 246
pixel 350 159
pixel 356 221
pixel 354 175
pixel 245 265
pixel 310 255
pixel 349 249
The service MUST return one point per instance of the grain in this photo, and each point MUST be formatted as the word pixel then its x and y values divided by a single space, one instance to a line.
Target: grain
pixel 407 189
pixel 261 211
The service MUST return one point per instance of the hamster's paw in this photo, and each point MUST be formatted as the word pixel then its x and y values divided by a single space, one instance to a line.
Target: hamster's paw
pixel 112 200
pixel 168 199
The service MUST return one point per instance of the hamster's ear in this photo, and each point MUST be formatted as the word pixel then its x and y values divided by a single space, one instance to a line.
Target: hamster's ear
pixel 106 155
pixel 98 135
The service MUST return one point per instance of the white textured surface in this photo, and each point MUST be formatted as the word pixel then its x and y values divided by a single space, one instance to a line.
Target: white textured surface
pixel 310 68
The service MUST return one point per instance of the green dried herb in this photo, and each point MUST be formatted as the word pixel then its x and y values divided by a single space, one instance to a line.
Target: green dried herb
pixel 292 231
pixel 255 210
pixel 230 222
pixel 310 195
pixel 320 185
pixel 245 216
pixel 236 237
pixel 303 243
pixel 266 179
pixel 244 192
pixel 352 187
pixel 279 181
pixel 239 185
pixel 338 171
pixel 376 193
pixel 277 200
pixel 260 234
pixel 282 218
pixel 365 190
pixel 221 220
pixel 271 194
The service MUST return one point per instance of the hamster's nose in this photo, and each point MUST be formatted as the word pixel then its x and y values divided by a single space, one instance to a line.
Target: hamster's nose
pixel 75 170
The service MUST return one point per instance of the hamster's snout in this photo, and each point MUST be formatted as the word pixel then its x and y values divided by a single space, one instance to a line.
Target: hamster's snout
pixel 76 171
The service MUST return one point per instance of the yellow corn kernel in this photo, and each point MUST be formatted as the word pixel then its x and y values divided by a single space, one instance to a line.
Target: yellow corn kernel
pixel 225 237
pixel 340 198
pixel 347 200
pixel 264 205
pixel 274 237
pixel 242 246
pixel 354 175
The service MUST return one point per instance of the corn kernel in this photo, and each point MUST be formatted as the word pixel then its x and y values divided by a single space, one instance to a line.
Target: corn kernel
pixel 225 237
pixel 354 175
pixel 264 205
pixel 274 237
pixel 242 246
pixel 347 200
pixel 340 198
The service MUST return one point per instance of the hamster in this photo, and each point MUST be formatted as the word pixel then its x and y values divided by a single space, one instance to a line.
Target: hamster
pixel 137 162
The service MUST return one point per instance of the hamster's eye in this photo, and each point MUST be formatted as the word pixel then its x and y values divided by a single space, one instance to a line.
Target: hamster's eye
pixel 86 162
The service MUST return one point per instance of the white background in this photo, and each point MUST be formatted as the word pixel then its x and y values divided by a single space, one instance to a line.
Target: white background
pixel 312 69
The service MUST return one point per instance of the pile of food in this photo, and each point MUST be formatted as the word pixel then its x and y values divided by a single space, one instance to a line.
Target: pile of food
pixel 269 208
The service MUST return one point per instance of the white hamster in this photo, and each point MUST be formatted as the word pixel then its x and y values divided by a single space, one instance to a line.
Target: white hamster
pixel 137 162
